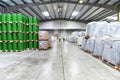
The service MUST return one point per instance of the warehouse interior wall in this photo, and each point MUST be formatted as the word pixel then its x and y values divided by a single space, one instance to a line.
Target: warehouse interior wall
pixel 62 24
pixel 64 28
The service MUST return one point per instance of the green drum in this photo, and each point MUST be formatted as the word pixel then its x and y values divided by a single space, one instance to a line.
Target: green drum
pixel 3 16
pixel 30 28
pixel 4 36
pixel 30 44
pixel 14 18
pixel 35 44
pixel 19 17
pixel 14 35
pixel 0 36
pixel 20 46
pixel 9 36
pixel 30 36
pixel 9 17
pixel 20 36
pixel 30 20
pixel 35 20
pixel 4 46
pixel 0 27
pixel 20 27
pixel 35 36
pixel 9 44
pixel 1 46
pixel 14 27
pixel 9 27
pixel 4 27
pixel 35 28
pixel 14 46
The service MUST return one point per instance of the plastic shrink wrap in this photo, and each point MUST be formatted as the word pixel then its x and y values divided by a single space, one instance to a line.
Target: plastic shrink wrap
pixel 115 29
pixel 111 51
pixel 79 41
pixel 43 45
pixel 43 35
pixel 99 45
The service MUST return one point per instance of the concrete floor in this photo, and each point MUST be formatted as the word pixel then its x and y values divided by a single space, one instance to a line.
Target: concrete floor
pixel 65 61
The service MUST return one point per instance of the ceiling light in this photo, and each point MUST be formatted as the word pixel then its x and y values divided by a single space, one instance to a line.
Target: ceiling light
pixel 75 13
pixel 80 1
pixel 45 13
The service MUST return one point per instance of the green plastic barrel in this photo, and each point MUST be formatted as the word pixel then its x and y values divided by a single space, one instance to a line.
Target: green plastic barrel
pixel 4 46
pixel 1 46
pixel 9 45
pixel 20 27
pixel 30 36
pixel 20 36
pixel 35 20
pixel 35 28
pixel 3 16
pixel 35 44
pixel 30 28
pixel 14 46
pixel 14 18
pixel 14 27
pixel 4 27
pixel 9 17
pixel 14 35
pixel 30 44
pixel 4 36
pixel 9 36
pixel 30 20
pixel 19 17
pixel 20 46
pixel 0 36
pixel 9 27
pixel 35 36
pixel 0 27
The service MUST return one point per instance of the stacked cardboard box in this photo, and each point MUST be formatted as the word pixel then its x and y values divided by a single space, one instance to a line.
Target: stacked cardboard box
pixel 44 42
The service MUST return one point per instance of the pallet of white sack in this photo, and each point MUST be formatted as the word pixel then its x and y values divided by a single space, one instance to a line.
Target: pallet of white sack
pixel 117 67
pixel 98 57
pixel 87 51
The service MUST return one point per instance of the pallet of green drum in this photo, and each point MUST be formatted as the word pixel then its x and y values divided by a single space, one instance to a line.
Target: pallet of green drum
pixel 32 44
pixel 12 46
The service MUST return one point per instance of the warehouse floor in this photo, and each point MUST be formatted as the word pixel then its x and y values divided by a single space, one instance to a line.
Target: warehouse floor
pixel 64 61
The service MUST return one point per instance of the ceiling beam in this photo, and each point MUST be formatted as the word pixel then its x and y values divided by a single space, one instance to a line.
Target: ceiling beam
pixel 82 21
pixel 112 7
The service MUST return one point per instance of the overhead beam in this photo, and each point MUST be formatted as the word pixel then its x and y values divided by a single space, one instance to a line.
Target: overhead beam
pixel 82 21
pixel 112 7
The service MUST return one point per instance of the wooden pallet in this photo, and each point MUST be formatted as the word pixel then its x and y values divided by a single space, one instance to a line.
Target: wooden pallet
pixel 117 67
pixel 98 57
pixel 87 51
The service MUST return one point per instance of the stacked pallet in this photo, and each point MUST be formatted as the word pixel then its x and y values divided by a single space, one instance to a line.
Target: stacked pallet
pixel 13 32
pixel 44 42
pixel 32 32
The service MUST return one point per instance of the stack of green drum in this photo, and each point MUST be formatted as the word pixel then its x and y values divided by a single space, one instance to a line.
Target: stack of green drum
pixel 18 32
pixel 32 32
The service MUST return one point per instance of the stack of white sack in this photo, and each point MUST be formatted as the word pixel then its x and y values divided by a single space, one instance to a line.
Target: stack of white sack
pixel 71 39
pixel 99 45
pixel 80 38
pixel 115 29
pixel 111 51
pixel 94 32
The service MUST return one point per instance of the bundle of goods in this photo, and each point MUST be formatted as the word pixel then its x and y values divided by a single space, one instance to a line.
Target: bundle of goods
pixel 95 30
pixel 13 32
pixel 44 42
pixel 111 51
pixel 79 39
pixel 71 39
pixel 32 33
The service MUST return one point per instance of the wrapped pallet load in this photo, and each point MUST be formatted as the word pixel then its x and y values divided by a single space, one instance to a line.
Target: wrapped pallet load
pixel 44 42
pixel 111 52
